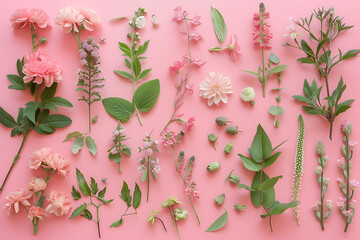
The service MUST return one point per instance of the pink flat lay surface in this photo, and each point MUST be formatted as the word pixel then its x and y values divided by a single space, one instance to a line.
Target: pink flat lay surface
pixel 166 46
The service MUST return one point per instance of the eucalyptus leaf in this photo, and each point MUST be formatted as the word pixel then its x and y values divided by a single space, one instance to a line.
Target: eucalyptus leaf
pixel 268 184
pixel 146 95
pixel 219 223
pixel 276 110
pixel 279 208
pixel 261 147
pixel 249 163
pixel 219 24
pixel 268 197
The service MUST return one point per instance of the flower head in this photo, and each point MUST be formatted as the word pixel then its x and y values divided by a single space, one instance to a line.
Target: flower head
pixel 233 48
pixel 195 36
pixel 262 33
pixel 247 94
pixel 180 213
pixel 190 123
pixel 16 198
pixel 152 216
pixel 177 65
pixel 347 127
pixel 39 156
pixel 316 206
pixel 353 184
pixel 292 29
pixel 59 203
pixel 192 189
pixel 37 184
pixel 39 68
pixel 320 149
pixel 341 163
pixel 179 14
pixel 36 212
pixel 154 20
pixel 69 18
pixel 90 18
pixel 168 138
pixel 215 88
pixel 58 163
pixel 34 17
pixel 140 22
pixel 341 203
pixel 195 20
pixel 197 61
pixel 170 201
pixel 352 144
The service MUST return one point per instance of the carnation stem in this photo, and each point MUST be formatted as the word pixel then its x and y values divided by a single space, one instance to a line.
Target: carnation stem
pixel 194 209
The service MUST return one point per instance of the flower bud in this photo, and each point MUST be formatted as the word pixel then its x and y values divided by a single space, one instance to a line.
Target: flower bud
pixel 239 207
pixel 316 206
pixel 353 184
pixel 347 126
pixel 212 138
pixel 320 149
pixel 352 204
pixel 232 130
pixel 234 178
pixel 221 121
pixel 278 99
pixel 104 180
pixel 247 94
pixel 329 204
pixel 341 182
pixel 341 163
pixel 211 167
pixel 219 199
pixel 318 170
pixel 324 160
pixel 326 181
pixel 343 150
pixel 228 148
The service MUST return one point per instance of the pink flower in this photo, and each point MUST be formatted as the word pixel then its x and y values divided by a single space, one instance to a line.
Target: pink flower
pixel 190 123
pixel 58 163
pixel 179 14
pixel 233 48
pixel 346 127
pixel 348 213
pixel 215 88
pixel 39 157
pixel 16 198
pixel 37 184
pixel 35 17
pixel 352 204
pixel 40 68
pixel 341 182
pixel 341 162
pixel 341 203
pixel 192 190
pixel 352 144
pixel 197 61
pixel 195 20
pixel 262 33
pixel 90 18
pixel 353 184
pixel 36 211
pixel 316 206
pixel 195 36
pixel 177 65
pixel 59 203
pixel 168 138
pixel 69 18
pixel 292 29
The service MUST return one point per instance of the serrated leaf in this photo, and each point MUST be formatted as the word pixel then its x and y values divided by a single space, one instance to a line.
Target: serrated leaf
pixel 48 92
pixel 146 95
pixel 75 193
pixel 91 145
pixel 274 59
pixel 84 187
pixel 101 194
pixel 119 108
pixel 219 24
pixel 94 186
pixel 250 164
pixel 117 223
pixel 17 82
pixel 124 74
pixel 73 135
pixel 276 110
pixel 219 223
pixel 137 197
pixel 6 119
pixel 78 211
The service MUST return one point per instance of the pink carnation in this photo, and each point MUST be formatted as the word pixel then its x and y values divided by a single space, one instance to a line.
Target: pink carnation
pixel 39 157
pixel 16 198
pixel 58 163
pixel 69 18
pixel 59 203
pixel 91 18
pixel 24 16
pixel 37 184
pixel 39 67
pixel 36 211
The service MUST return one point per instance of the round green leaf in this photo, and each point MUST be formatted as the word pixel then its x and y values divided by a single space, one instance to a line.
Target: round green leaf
pixel 121 109
pixel 146 95
pixel 276 110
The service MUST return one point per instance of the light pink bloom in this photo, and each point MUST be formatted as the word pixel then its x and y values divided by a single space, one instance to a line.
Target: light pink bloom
pixel 58 163
pixel 341 162
pixel 352 143
pixel 292 29
pixel 352 204
pixel 59 203
pixel 353 184
pixel 178 14
pixel 233 48
pixel 195 36
pixel 39 157
pixel 16 198
pixel 37 184
pixel 346 126
pixel 190 123
pixel 36 211
pixel 41 68
pixel 24 16
pixel 177 65
pixel 215 88
pixel 168 138
pixel 148 152
pixel 69 18
pixel 348 213
pixel 91 18
pixel 341 181
pixel 195 20
pixel 197 61
pixel 316 206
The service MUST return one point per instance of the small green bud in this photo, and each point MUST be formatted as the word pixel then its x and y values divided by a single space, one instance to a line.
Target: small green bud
pixel 221 121
pixel 211 167
pixel 212 138
pixel 42 40
pixel 318 170
pixel 181 155
pixel 234 178
pixel 228 148
pixel 239 207
pixel 320 149
pixel 219 199
pixel 278 99
pixel 232 130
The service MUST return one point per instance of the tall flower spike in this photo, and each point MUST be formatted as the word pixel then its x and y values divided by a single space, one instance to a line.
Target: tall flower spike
pixel 262 33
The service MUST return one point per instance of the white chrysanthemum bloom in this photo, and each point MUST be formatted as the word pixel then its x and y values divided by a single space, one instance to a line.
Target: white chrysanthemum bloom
pixel 247 94
pixel 140 22
pixel 215 88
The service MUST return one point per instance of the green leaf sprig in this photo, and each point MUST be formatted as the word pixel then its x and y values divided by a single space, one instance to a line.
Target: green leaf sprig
pixel 94 193
pixel 119 149
pixel 331 26
pixel 130 200
pixel 145 95
pixel 277 110
pixel 262 190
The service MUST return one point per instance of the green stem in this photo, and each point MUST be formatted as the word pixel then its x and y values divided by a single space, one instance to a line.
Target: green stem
pixel 15 159
pixel 322 195
pixel 347 182
pixel 35 222
pixel 263 72
pixel 32 37
pixel 89 92
pixel 194 209
pixel 98 220
pixel 148 178
pixel 261 199
pixel 76 38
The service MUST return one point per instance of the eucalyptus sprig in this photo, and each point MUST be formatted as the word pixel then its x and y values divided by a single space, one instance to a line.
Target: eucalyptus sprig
pixel 262 190
pixel 94 193
pixel 145 95
pixel 130 200
pixel 324 58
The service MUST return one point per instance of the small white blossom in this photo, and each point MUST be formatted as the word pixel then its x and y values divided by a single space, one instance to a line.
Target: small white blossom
pixel 140 22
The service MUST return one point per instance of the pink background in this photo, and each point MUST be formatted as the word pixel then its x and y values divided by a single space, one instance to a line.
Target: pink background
pixel 166 46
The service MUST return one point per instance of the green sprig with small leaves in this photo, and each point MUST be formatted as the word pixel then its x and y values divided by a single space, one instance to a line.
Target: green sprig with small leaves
pixel 119 149
pixel 277 110
pixel 324 59
pixel 94 193
pixel 130 200
pixel 145 95
pixel 262 190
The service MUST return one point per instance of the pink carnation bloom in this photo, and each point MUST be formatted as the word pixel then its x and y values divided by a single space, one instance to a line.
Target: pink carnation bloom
pixel 24 16
pixel 39 157
pixel 37 184
pixel 36 211
pixel 41 68
pixel 190 123
pixel 16 198
pixel 215 88
pixel 69 18
pixel 58 163
pixel 59 203
pixel 91 18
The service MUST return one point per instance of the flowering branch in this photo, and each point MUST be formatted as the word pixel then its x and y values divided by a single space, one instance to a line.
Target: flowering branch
pixel 117 151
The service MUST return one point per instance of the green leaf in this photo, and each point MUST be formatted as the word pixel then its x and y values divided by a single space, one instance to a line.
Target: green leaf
pixel 268 184
pixel 144 176
pixel 124 74
pixel 279 208
pixel 117 223
pixel 253 73
pixel 87 214
pixel 276 110
pixel 119 108
pixel 274 59
pixel 261 147
pixel 303 99
pixel 30 110
pixel 91 145
pixel 142 48
pixel 17 82
pixel 75 193
pixel 101 194
pixel 144 73
pixel 6 119
pixel 146 95
pixel 73 135
pixel 84 188
pixel 136 67
pixel 350 54
pixel 94 120
pixel 56 121
pixel 246 187
pixel 125 192
pixel 250 164
pixel 321 44
pixel 59 101
pixel 78 211
pixel 43 115
pixel 305 60
pixel 19 67
pixel 94 186
pixel 125 49
pixel 219 24
pixel 48 92
pixel 137 197
pixel 268 197
pixel 305 46
pixel 269 161
pixel 342 107
pixel 219 223
pixel 277 69
pixel 46 129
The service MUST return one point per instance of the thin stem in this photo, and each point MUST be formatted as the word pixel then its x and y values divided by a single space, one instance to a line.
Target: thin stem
pixel 347 182
pixel 35 223
pixel 161 223
pixel 148 178
pixel 263 72
pixel 174 220
pixel 89 92
pixel 32 37
pixel 98 220
pixel 261 199
pixel 322 195
pixel 76 38
pixel 194 209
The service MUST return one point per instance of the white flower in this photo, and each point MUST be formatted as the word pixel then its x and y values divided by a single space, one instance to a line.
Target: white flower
pixel 215 88
pixel 154 20
pixel 292 29
pixel 247 94
pixel 140 22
